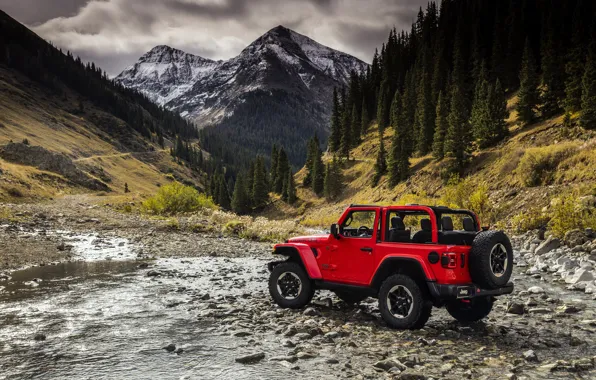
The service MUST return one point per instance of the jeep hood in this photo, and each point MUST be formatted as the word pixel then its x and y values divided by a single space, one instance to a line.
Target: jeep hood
pixel 309 239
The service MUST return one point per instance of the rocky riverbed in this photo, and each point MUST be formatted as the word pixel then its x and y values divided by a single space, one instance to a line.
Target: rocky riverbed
pixel 131 299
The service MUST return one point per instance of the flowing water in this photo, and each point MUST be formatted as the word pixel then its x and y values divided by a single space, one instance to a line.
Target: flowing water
pixel 107 319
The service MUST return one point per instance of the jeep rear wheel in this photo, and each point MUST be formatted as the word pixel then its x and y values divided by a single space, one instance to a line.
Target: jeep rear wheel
pixel 491 260
pixel 470 310
pixel 350 298
pixel 403 303
pixel 290 286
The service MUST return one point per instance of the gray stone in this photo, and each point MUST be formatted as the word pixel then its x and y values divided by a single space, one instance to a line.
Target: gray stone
pixel 39 337
pixel 170 347
pixel 580 275
pixel 536 290
pixel 312 312
pixel 539 310
pixel 516 308
pixel 575 238
pixel 530 356
pixel 547 246
pixel 251 359
pixel 289 358
pixel 387 364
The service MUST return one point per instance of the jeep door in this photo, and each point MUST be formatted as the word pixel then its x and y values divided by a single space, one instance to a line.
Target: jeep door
pixel 353 256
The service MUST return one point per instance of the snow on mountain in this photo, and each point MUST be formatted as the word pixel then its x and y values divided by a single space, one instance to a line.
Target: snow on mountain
pixel 207 91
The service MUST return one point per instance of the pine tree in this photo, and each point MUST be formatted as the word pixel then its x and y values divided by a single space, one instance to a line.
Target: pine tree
pixel 346 143
pixel 126 190
pixel 553 86
pixel 318 173
pixel 381 162
pixel 528 96
pixel 383 106
pixel 458 139
pixel 240 201
pixel 259 193
pixel 441 126
pixel 273 169
pixel 424 118
pixel 365 120
pixel 497 103
pixel 281 175
pixel 248 181
pixel 587 117
pixel 336 126
pixel 311 151
pixel 480 114
pixel 574 67
pixel 399 157
pixel 356 123
pixel 223 194
pixel 333 179
pixel 291 189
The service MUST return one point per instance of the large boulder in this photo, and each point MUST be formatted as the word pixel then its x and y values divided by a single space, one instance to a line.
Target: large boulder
pixel 580 275
pixel 575 238
pixel 548 245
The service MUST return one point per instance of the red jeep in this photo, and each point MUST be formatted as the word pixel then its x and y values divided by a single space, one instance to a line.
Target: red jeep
pixel 408 257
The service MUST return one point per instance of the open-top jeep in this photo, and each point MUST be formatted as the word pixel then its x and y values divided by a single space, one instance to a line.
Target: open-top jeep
pixel 410 258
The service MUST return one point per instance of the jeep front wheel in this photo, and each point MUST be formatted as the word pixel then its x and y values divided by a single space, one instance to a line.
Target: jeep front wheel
pixel 471 310
pixel 289 286
pixel 403 304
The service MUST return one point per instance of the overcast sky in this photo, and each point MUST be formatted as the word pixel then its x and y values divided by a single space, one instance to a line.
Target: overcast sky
pixel 114 33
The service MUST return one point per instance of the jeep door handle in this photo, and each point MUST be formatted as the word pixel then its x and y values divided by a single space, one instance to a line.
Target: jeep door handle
pixel 366 249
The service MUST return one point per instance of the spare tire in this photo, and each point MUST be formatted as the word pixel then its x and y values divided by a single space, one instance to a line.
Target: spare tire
pixel 491 259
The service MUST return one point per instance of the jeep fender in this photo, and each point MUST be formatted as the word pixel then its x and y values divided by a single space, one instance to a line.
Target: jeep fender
pixel 412 266
pixel 301 253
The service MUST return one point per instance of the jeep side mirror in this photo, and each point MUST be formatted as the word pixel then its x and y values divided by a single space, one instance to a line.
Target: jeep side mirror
pixel 335 231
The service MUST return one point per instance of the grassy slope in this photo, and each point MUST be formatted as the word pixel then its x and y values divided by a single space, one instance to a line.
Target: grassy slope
pixel 30 111
pixel 498 167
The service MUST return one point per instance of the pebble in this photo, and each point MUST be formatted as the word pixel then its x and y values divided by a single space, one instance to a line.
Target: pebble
pixel 251 359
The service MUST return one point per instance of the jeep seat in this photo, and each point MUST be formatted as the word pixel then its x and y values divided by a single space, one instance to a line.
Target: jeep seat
pixel 425 234
pixel 451 237
pixel 398 232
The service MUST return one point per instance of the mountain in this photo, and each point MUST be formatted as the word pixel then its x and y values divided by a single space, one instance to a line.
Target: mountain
pixel 66 127
pixel 277 90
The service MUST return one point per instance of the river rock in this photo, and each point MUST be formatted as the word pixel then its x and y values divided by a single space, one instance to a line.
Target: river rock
pixel 547 246
pixel 516 308
pixel 289 358
pixel 530 356
pixel 311 312
pixel 575 238
pixel 251 359
pixel 39 337
pixel 154 273
pixel 535 290
pixel 170 347
pixel 580 275
pixel 387 364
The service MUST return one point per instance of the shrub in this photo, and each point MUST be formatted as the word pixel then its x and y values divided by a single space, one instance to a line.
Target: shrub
pixel 532 219
pixel 568 214
pixel 175 198
pixel 537 166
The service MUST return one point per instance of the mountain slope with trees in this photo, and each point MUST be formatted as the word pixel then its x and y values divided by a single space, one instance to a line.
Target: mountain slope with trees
pixel 485 105
pixel 117 136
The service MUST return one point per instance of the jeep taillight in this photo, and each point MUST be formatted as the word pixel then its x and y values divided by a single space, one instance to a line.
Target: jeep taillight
pixel 449 260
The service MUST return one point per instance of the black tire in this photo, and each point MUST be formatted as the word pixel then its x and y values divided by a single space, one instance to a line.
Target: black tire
pixel 300 287
pixel 415 313
pixel 472 311
pixel 350 298
pixel 484 270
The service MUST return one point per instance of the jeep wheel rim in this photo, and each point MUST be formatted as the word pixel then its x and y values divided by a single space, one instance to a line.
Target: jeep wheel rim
pixel 499 260
pixel 289 285
pixel 400 301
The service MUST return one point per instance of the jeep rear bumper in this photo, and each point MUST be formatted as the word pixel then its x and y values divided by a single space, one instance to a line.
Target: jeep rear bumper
pixel 448 292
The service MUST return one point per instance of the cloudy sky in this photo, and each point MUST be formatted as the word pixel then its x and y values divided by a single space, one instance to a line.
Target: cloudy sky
pixel 114 33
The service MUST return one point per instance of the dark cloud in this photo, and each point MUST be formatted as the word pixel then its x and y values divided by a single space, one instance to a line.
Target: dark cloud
pixel 33 12
pixel 114 33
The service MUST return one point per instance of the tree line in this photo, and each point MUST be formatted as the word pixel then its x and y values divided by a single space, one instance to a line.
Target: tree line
pixel 442 85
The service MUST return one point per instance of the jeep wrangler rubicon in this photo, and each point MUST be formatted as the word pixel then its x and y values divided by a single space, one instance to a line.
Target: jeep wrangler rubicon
pixel 373 252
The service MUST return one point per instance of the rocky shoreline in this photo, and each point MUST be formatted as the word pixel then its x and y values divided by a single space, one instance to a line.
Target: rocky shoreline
pixel 544 330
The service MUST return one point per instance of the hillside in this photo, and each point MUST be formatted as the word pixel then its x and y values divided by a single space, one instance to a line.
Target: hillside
pixel 276 91
pixel 561 160
pixel 64 127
